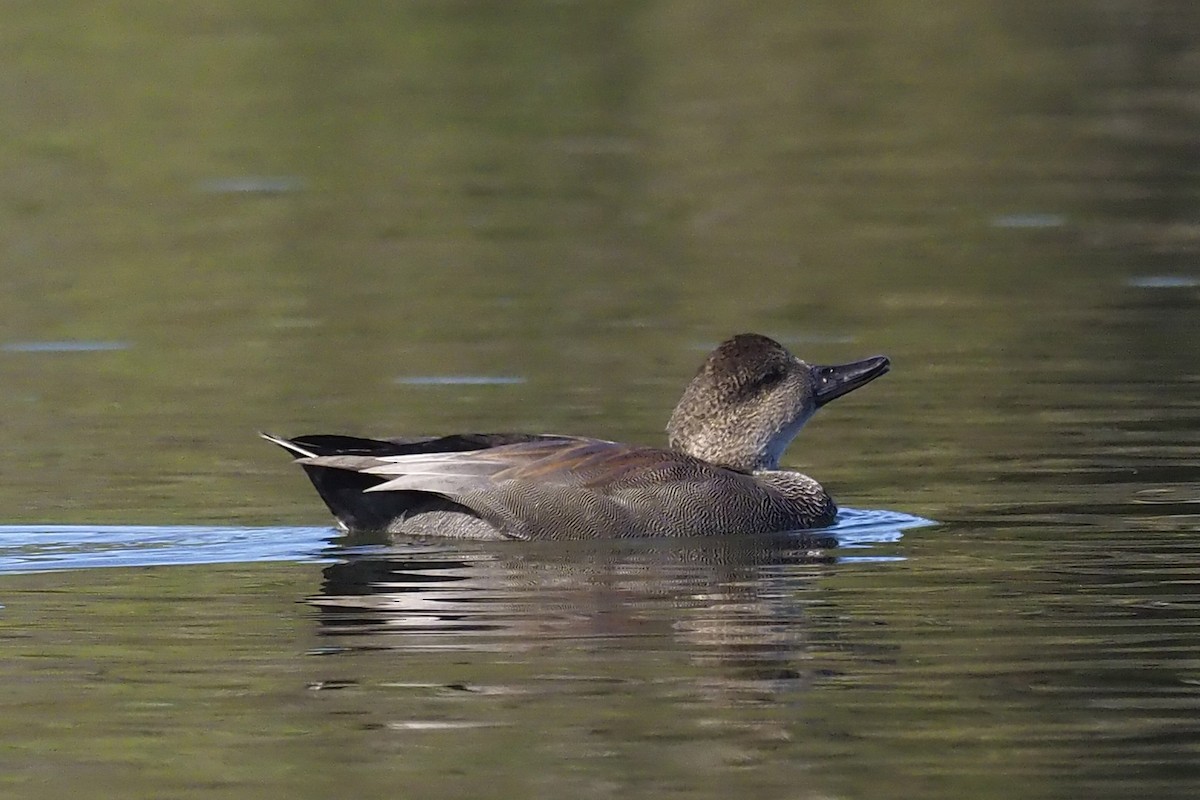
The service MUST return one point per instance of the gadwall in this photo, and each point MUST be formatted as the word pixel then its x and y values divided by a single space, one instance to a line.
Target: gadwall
pixel 720 475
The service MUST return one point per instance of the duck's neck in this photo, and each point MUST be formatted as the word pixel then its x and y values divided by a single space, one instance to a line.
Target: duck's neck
pixel 721 450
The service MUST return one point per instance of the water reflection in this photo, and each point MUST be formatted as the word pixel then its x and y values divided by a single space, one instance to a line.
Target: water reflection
pixel 739 610
pixel 739 604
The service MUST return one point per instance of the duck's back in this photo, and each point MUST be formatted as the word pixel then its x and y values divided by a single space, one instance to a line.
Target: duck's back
pixel 543 487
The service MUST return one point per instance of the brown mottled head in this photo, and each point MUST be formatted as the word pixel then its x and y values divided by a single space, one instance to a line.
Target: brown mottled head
pixel 751 397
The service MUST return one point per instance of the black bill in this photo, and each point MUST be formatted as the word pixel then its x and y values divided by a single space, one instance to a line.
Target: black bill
pixel 833 382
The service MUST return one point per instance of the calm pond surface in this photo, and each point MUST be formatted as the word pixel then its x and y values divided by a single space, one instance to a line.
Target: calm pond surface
pixel 430 217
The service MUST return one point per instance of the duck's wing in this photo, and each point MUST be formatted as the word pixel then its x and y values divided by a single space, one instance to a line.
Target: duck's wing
pixel 551 461
pixel 444 468
pixel 550 487
pixel 525 486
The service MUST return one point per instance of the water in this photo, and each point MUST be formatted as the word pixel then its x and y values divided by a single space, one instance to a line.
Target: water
pixel 430 217
pixel 37 548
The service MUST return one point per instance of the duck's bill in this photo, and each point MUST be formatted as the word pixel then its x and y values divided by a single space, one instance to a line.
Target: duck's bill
pixel 833 382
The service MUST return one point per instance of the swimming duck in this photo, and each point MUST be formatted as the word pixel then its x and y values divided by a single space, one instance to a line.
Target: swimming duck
pixel 720 473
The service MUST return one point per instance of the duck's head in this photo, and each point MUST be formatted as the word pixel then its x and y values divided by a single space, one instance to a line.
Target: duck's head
pixel 750 399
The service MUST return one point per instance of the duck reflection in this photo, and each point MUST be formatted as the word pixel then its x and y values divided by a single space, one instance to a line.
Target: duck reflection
pixel 738 603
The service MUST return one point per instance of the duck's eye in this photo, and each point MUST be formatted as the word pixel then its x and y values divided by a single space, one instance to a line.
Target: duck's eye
pixel 770 379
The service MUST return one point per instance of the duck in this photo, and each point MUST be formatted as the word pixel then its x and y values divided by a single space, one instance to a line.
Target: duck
pixel 719 473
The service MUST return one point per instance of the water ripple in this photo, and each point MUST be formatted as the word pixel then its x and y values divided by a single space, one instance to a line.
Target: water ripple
pixel 39 548
pixel 64 346
pixel 460 380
